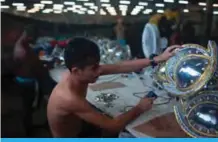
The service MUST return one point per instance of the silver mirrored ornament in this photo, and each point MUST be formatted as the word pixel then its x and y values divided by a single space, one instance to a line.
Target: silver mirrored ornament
pixel 188 71
pixel 198 115
pixel 112 52
pixel 106 98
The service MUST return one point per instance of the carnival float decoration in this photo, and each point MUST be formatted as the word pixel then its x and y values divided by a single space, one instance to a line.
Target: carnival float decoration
pixel 191 75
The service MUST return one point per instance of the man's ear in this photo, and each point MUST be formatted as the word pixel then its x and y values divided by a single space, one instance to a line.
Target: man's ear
pixel 75 70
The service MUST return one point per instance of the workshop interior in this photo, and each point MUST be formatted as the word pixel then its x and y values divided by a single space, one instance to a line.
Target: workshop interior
pixel 36 37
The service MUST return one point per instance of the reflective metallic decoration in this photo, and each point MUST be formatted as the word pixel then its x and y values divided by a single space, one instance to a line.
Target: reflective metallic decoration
pixel 106 98
pixel 198 116
pixel 58 53
pixel 112 52
pixel 188 71
pixel 192 76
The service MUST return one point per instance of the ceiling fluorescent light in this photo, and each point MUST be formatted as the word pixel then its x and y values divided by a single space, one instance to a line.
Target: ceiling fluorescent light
pixel 123 13
pixel 139 7
pixel 185 10
pixel 21 8
pixel 105 5
pixel 94 7
pixel 123 9
pixel 70 8
pixel 47 11
pixel 202 4
pixel 39 5
pixel 32 10
pixel 89 4
pixel 57 11
pixel 169 1
pixel 123 5
pixel 82 0
pixel 46 2
pixel 159 5
pixel 215 12
pixel 81 12
pixel 112 11
pixel 58 6
pixel 147 11
pixel 124 2
pixel 160 11
pixel 134 12
pixel 17 4
pixel 102 12
pixel 183 2
pixel 143 3
pixel 83 9
pixel 215 5
pixel 4 6
pixel 91 12
pixel 113 14
pixel 104 0
pixel 77 6
pixel 69 3
pixel 2 0
pixel 110 8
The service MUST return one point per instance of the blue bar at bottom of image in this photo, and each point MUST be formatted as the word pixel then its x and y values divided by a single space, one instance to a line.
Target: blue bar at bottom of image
pixel 109 139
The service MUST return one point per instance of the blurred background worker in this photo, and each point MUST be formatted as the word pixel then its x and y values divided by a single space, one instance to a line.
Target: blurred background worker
pixel 157 31
pixel 120 32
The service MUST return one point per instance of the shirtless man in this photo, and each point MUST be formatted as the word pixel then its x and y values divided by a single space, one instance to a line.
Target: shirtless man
pixel 68 109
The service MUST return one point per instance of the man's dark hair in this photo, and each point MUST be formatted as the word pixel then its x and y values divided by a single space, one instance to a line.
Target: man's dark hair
pixel 81 52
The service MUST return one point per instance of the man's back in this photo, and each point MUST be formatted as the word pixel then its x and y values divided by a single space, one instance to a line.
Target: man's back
pixel 63 123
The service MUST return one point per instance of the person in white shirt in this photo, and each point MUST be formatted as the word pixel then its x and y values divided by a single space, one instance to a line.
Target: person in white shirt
pixel 157 31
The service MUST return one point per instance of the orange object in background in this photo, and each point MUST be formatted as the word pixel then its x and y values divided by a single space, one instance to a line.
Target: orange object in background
pixel 41 53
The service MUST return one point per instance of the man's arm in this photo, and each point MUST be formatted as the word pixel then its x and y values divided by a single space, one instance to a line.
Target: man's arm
pixel 124 67
pixel 88 114
pixel 135 65
pixel 23 52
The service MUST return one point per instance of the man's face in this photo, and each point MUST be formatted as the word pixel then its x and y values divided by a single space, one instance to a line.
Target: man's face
pixel 89 74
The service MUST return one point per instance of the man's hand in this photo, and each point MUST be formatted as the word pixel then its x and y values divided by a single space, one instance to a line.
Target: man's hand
pixel 22 38
pixel 169 52
pixel 145 104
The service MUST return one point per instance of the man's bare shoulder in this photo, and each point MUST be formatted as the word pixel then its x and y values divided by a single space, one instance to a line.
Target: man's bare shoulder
pixel 68 99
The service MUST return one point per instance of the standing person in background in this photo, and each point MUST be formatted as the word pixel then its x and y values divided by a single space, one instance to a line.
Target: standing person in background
pixel 133 39
pixel 157 32
pixel 29 71
pixel 188 33
pixel 120 32
pixel 176 37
